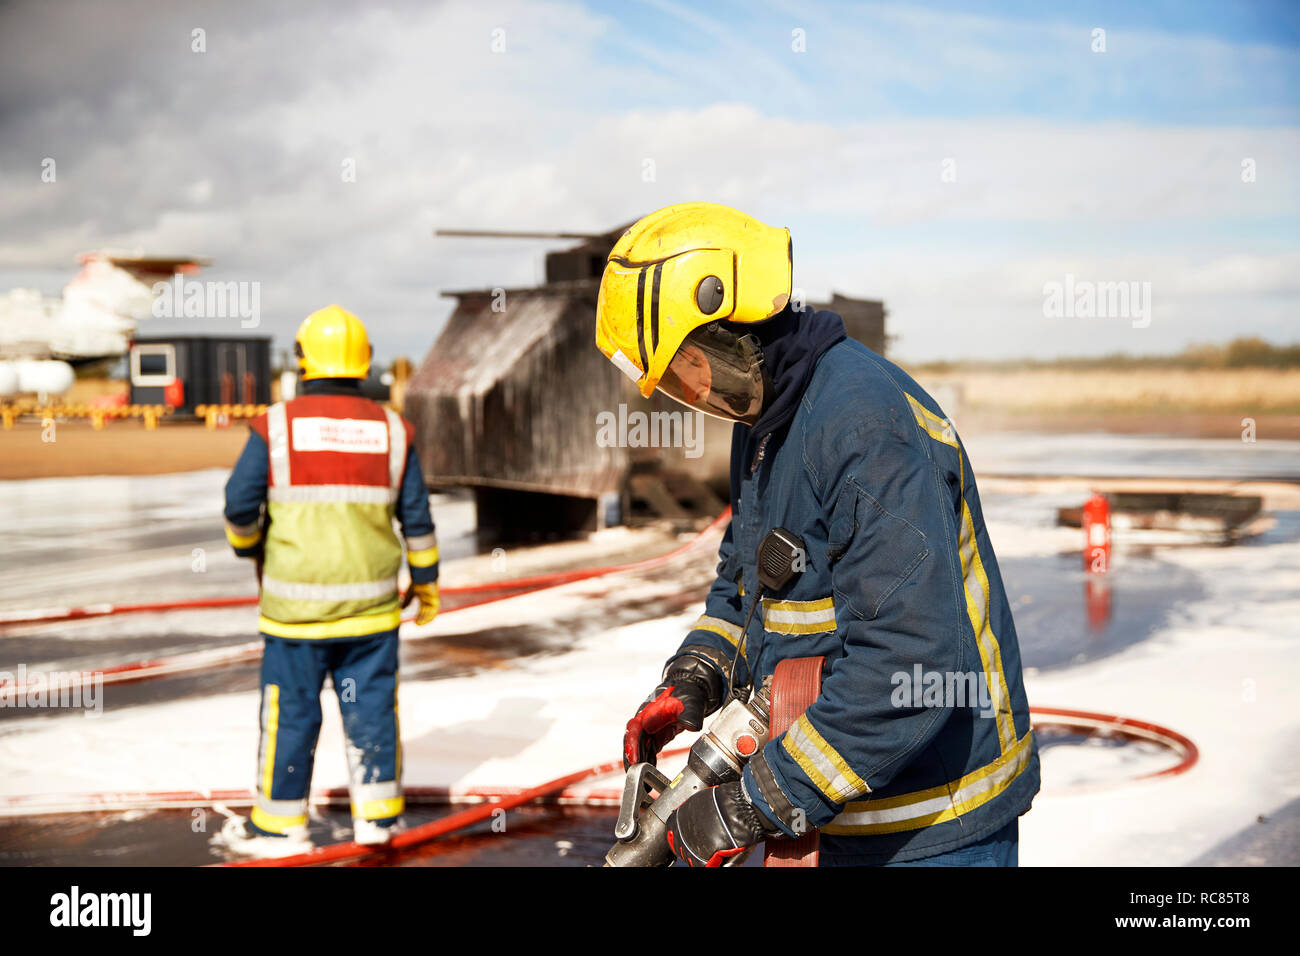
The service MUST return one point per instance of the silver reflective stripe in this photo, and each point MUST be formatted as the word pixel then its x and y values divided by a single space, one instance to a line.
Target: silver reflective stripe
pixel 243 530
pixel 281 808
pixel 297 591
pixel 261 739
pixel 277 434
pixel 799 617
pixel 724 629
pixel 396 447
pixel 346 494
pixel 837 779
pixel 365 792
pixel 421 542
pixel 975 792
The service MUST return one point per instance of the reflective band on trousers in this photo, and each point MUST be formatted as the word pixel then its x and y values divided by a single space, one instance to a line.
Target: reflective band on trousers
pixel 384 790
pixel 298 591
pixel 345 494
pixel 281 808
pixel 376 801
pixel 270 729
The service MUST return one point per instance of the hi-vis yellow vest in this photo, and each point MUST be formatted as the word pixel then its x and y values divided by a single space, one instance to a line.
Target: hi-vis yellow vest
pixel 331 554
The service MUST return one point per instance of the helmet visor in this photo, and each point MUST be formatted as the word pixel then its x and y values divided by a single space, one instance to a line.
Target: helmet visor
pixel 718 372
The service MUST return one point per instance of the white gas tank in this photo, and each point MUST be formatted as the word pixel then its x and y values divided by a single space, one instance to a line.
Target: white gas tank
pixel 47 377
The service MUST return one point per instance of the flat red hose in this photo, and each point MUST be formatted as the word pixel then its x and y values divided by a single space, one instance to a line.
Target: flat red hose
pixel 201 660
pixel 499 800
pixel 54 616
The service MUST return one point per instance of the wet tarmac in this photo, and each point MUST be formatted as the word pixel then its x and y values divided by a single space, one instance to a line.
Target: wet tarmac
pixel 535 835
pixel 1103 455
pixel 540 835
pixel 140 544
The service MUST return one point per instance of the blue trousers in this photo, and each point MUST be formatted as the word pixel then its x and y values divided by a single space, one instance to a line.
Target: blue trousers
pixel 364 674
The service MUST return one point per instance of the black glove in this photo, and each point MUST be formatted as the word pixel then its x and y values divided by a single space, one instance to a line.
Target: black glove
pixel 690 691
pixel 715 824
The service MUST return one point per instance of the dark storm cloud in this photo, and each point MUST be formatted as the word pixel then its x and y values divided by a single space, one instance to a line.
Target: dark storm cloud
pixel 132 116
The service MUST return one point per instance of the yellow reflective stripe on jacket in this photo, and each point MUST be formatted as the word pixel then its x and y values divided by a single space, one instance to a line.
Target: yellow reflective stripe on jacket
pixel 357 626
pixel 975 583
pixel 334 593
pixel 724 629
pixel 940 429
pixel 334 494
pixel 799 617
pixel 935 805
pixel 828 771
pixel 243 536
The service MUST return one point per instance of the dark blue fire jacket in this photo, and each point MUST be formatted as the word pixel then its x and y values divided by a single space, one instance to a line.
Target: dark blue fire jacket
pixel 920 742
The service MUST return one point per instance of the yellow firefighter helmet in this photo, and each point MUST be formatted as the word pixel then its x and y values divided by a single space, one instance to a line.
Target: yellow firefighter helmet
pixel 332 343
pixel 682 268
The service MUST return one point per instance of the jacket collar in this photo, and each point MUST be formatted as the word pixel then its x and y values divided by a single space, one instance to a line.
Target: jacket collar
pixel 332 386
pixel 793 341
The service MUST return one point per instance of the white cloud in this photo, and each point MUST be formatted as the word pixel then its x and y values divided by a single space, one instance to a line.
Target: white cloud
pixel 444 132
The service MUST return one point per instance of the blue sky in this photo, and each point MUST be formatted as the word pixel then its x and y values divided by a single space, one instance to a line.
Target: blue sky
pixel 1123 165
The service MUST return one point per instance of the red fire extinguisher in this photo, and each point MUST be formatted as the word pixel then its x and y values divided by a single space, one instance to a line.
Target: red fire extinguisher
pixel 174 393
pixel 1096 534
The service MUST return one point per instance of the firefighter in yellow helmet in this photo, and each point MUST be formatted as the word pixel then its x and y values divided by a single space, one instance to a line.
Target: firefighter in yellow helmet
pixel 895 576
pixel 313 498
pixel 680 291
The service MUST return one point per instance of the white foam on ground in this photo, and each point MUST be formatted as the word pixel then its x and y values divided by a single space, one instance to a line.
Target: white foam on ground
pixel 1221 669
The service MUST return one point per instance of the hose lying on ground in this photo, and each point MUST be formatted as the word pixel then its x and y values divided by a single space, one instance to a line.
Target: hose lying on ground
pixel 252 650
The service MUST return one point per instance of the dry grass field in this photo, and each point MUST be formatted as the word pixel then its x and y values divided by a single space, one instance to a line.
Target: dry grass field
pixel 1242 392
pixel 1206 403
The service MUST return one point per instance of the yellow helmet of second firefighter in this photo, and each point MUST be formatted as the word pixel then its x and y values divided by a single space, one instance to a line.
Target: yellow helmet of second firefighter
pixel 332 343
pixel 680 268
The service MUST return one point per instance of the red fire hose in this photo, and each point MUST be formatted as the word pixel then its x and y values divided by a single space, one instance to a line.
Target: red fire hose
pixel 339 852
pixel 201 660
pixel 504 799
pixel 498 800
pixel 800 853
pixel 56 615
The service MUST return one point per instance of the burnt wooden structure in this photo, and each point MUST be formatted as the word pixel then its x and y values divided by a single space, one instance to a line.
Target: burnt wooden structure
pixel 507 403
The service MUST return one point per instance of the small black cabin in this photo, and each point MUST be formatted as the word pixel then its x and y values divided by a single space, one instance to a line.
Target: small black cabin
pixel 210 370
